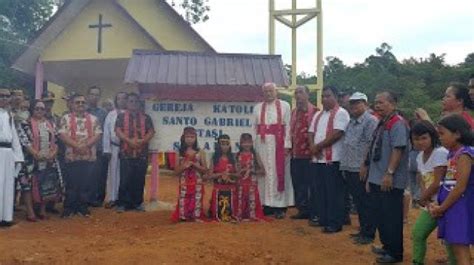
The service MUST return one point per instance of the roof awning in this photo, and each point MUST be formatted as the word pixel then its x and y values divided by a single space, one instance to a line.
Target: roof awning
pixel 204 76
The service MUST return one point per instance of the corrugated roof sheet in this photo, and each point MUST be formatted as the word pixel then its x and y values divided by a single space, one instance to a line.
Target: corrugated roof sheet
pixel 197 69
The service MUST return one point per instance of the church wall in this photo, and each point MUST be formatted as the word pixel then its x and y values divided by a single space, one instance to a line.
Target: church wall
pixel 78 41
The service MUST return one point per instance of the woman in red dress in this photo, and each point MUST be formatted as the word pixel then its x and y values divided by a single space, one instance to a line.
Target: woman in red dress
pixel 222 172
pixel 190 169
pixel 249 167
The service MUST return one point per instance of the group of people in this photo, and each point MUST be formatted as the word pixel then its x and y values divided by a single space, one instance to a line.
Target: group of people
pixel 321 161
pixel 86 158
pixel 317 159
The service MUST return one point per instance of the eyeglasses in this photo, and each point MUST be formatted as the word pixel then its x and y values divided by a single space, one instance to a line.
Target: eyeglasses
pixel 79 102
pixel 5 96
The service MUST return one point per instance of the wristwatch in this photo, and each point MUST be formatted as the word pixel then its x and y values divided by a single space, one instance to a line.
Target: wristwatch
pixel 390 172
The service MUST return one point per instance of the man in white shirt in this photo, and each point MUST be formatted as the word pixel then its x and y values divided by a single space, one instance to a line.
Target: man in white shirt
pixel 11 156
pixel 111 146
pixel 325 135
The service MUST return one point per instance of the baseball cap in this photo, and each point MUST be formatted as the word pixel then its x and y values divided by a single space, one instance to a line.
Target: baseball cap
pixel 358 96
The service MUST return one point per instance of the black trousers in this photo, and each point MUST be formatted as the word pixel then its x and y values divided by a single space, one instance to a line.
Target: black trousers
pixel 386 212
pixel 361 200
pixel 101 170
pixel 132 182
pixel 301 178
pixel 328 197
pixel 79 184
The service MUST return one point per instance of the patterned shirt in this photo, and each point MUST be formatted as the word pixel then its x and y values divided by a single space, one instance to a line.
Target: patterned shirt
pixel 299 136
pixel 134 129
pixel 81 137
pixel 357 141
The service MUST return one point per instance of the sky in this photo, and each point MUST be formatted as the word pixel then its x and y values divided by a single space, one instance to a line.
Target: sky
pixel 352 29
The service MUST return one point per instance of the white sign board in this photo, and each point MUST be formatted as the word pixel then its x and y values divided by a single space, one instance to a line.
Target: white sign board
pixel 210 119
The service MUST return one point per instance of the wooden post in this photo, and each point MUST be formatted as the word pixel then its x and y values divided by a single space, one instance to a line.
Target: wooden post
pixel 271 27
pixel 319 58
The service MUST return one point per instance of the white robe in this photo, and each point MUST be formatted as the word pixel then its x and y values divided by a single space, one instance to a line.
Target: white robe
pixel 113 175
pixel 8 169
pixel 268 186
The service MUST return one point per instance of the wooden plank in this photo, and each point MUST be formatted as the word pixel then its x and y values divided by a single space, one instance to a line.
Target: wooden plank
pixel 209 70
pixel 182 71
pixel 248 71
pixel 220 71
pixel 202 70
pixel 163 71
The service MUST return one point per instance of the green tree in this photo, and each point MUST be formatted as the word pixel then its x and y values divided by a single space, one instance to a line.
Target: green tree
pixel 419 82
pixel 195 11
pixel 19 20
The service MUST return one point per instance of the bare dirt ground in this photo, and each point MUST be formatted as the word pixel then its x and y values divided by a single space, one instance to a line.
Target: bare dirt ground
pixel 151 238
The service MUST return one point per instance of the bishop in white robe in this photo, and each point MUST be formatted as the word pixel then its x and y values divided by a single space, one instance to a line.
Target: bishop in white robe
pixel 273 144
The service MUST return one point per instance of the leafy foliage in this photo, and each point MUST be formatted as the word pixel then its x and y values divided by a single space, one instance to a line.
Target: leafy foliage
pixel 19 20
pixel 419 82
pixel 195 11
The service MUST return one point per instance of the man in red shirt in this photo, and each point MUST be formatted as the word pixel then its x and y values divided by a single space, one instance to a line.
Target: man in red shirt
pixel 301 117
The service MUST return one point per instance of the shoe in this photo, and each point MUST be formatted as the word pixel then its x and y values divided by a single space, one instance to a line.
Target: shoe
pixel 387 259
pixel 31 219
pixel 362 240
pixel 42 217
pixel 299 216
pixel 110 205
pixel 120 209
pixel 52 210
pixel 314 222
pixel 95 204
pixel 139 209
pixel 280 215
pixel 331 230
pixel 354 235
pixel 84 212
pixel 267 211
pixel 6 224
pixel 67 213
pixel 379 251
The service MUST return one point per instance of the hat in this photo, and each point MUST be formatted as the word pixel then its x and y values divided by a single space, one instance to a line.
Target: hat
pixel 359 96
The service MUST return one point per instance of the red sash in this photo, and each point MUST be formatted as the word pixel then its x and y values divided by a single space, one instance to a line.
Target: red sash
pixel 36 134
pixel 73 125
pixel 311 110
pixel 126 129
pixel 468 118
pixel 278 130
pixel 329 129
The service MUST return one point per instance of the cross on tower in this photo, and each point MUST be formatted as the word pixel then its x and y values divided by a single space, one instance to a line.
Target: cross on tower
pixel 100 26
